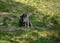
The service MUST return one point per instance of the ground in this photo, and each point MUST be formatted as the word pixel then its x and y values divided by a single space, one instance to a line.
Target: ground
pixel 45 17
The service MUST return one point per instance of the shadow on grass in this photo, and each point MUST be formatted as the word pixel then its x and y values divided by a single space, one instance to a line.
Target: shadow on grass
pixel 29 36
pixel 16 7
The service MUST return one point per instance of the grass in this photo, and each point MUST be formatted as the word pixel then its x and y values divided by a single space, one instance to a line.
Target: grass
pixel 29 36
pixel 44 14
pixel 46 6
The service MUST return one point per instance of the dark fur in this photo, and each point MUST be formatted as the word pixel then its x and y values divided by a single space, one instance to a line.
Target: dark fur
pixel 24 21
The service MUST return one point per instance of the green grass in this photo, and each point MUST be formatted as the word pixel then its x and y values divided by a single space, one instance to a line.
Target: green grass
pixel 45 14
pixel 42 11
pixel 29 36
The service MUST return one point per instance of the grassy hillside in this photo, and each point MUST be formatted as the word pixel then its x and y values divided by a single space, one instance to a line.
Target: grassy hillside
pixel 45 17
pixel 30 36
pixel 45 6
pixel 45 12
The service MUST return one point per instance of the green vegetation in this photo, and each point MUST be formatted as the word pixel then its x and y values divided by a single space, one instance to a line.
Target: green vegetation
pixel 30 36
pixel 45 17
